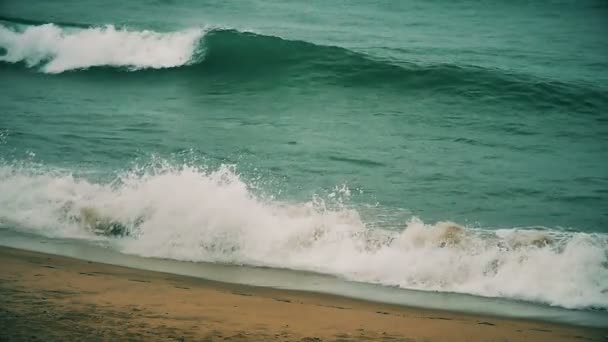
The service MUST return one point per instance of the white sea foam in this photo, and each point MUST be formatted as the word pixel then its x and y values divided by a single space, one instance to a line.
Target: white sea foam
pixel 187 213
pixel 55 49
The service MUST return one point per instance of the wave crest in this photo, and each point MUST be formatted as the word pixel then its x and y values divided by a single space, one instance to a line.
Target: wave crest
pixel 55 49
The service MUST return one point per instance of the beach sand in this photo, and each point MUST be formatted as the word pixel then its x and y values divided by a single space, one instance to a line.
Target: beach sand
pixel 53 298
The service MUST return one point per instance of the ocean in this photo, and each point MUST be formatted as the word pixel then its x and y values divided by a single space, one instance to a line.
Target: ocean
pixel 448 147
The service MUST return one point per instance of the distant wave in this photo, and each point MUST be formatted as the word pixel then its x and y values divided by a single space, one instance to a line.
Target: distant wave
pixel 199 51
pixel 213 216
pixel 16 21
pixel 54 49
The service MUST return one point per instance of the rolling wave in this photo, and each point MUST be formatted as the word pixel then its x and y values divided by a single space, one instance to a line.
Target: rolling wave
pixel 214 216
pixel 199 51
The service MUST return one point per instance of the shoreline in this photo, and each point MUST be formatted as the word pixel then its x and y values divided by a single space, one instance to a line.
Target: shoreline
pixel 50 297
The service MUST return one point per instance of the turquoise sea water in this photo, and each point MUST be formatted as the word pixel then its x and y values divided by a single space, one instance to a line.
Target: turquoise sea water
pixel 457 147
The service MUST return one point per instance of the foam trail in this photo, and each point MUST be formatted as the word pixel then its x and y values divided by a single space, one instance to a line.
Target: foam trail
pixel 55 49
pixel 193 214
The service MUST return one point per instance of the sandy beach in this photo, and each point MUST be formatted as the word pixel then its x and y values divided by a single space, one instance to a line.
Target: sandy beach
pixel 52 298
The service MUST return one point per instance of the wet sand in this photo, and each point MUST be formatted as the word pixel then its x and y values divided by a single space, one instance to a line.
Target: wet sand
pixel 53 298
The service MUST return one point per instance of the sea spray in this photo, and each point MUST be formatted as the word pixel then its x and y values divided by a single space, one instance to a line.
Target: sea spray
pixel 199 214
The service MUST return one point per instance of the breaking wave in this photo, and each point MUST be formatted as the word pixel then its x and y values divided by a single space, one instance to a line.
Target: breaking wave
pixel 200 51
pixel 55 49
pixel 213 215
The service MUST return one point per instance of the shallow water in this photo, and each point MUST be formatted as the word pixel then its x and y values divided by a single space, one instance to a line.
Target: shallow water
pixel 312 282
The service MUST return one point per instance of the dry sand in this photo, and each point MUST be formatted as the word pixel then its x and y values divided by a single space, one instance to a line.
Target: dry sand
pixel 52 298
